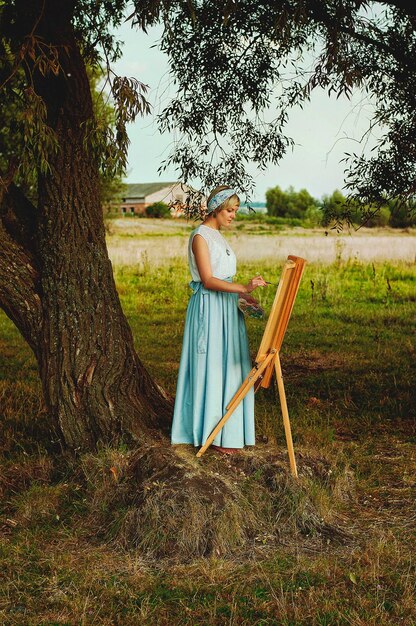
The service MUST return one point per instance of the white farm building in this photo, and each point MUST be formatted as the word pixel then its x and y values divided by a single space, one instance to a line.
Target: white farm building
pixel 138 196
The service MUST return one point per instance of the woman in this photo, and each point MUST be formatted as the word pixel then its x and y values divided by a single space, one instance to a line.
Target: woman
pixel 215 355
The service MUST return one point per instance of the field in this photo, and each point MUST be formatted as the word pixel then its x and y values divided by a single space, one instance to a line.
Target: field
pixel 165 240
pixel 340 549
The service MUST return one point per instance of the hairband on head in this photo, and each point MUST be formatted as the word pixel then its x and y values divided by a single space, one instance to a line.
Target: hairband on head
pixel 219 198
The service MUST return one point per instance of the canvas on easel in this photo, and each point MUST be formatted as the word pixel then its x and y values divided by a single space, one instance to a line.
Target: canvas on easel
pixel 267 359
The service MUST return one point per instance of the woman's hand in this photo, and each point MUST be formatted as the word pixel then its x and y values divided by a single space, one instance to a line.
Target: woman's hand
pixel 255 282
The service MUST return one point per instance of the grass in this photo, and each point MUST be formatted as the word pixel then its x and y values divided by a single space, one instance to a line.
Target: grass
pixel 351 332
pixel 337 549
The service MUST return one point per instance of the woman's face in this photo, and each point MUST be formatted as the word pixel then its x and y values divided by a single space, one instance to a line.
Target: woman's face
pixel 226 216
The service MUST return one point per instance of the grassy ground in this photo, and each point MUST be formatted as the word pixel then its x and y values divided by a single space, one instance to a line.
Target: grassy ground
pixel 348 362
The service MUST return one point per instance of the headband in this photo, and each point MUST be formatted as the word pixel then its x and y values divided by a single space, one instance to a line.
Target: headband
pixel 219 198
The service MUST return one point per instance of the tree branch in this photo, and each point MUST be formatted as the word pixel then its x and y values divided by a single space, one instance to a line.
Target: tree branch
pixel 404 5
pixel 321 16
pixel 18 216
pixel 19 290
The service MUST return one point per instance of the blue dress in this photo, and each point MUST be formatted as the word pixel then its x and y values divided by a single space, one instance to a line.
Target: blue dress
pixel 215 357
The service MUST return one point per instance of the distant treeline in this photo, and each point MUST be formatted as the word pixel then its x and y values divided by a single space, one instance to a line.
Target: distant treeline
pixel 300 205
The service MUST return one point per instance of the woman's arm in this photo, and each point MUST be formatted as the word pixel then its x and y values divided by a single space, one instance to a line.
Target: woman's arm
pixel 203 263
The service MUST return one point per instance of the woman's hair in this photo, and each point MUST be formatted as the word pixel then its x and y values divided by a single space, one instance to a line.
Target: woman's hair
pixel 231 200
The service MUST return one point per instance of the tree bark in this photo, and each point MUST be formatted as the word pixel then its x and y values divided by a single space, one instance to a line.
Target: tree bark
pixel 95 387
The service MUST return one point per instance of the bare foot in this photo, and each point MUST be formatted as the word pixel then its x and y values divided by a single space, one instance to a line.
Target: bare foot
pixel 225 450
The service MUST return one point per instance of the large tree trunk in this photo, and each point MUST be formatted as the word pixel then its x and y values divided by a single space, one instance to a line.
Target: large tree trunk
pixel 95 387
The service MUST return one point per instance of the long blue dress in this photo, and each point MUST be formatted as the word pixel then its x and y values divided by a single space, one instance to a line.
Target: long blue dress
pixel 215 357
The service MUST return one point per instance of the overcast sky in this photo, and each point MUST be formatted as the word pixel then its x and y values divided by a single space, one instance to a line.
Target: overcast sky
pixel 323 131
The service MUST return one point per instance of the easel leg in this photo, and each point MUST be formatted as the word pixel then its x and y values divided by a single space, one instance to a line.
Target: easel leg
pixel 238 397
pixel 285 413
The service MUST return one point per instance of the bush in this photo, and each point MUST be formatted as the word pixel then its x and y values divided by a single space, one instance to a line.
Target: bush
pixel 157 209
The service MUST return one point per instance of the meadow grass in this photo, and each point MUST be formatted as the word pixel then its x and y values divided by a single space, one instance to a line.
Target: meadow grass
pixel 348 364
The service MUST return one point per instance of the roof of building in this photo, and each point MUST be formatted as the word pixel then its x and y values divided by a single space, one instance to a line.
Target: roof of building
pixel 141 190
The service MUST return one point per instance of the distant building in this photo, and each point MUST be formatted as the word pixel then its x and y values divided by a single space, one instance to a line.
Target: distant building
pixel 139 196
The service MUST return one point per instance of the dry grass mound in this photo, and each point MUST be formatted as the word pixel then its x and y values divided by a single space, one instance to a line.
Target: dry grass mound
pixel 165 503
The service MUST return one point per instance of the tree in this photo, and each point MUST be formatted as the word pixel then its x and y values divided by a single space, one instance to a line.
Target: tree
pixel 56 280
pixel 335 207
pixel 276 202
pixel 12 140
pixel 230 56
pixel 289 203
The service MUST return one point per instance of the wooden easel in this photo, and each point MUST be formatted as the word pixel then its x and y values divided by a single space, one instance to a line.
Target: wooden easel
pixel 267 359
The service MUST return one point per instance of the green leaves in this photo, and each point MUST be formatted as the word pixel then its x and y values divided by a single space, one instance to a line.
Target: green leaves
pixel 106 134
pixel 241 67
pixel 39 139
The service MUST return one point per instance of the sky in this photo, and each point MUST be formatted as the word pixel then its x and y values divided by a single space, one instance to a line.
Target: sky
pixel 323 130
